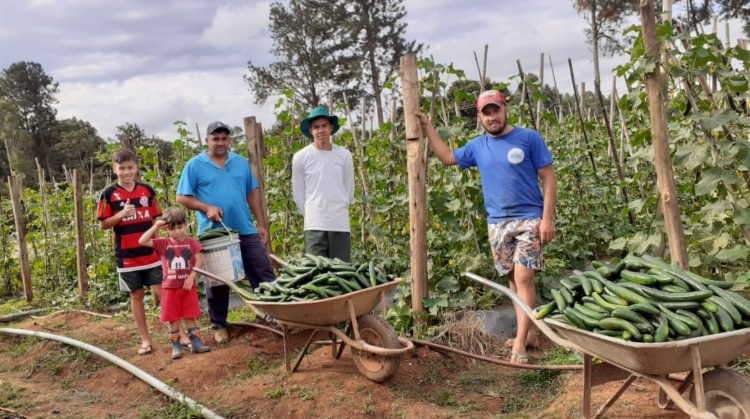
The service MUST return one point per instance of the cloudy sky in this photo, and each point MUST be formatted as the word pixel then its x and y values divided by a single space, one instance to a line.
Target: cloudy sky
pixel 153 62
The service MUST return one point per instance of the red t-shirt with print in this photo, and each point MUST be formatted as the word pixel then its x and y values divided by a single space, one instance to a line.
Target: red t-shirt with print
pixel 177 259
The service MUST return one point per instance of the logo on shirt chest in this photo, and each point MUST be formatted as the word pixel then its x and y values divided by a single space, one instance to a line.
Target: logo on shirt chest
pixel 515 155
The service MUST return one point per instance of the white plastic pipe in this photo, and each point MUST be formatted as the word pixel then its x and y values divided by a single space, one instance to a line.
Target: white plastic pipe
pixel 139 373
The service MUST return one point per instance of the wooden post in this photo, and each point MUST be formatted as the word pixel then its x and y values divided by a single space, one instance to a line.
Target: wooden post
pixel 255 154
pixel 660 140
pixel 579 105
pixel 416 166
pixel 541 88
pixel 527 96
pixel 23 250
pixel 83 276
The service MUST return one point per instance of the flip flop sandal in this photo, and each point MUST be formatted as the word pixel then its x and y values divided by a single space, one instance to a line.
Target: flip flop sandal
pixel 519 357
pixel 187 346
pixel 145 350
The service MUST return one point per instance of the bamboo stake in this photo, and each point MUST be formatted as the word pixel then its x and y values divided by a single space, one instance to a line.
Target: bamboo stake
pixel 580 117
pixel 541 86
pixel 255 153
pixel 23 250
pixel 557 91
pixel 359 152
pixel 613 151
pixel 417 186
pixel 527 96
pixel 46 225
pixel 660 140
pixel 83 276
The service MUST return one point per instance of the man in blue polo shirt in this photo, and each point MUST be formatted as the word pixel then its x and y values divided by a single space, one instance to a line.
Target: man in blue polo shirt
pixel 220 186
pixel 521 217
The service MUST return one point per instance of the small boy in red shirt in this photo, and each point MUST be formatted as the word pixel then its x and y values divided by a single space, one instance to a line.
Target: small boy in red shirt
pixel 179 255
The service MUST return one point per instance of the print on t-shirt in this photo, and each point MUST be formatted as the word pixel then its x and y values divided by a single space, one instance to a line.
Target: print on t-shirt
pixel 178 257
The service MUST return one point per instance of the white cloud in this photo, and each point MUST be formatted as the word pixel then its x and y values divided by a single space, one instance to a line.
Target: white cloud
pixel 236 26
pixel 156 101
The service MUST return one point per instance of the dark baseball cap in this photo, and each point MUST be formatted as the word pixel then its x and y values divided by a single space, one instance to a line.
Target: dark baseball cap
pixel 217 125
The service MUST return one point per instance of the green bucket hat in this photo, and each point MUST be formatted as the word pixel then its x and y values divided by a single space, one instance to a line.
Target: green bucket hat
pixel 319 112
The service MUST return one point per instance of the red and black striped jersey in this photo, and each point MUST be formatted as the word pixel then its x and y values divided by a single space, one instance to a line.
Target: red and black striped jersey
pixel 131 256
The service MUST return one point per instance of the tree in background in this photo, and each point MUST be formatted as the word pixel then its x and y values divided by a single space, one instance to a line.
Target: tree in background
pixel 78 147
pixel 378 27
pixel 314 54
pixel 30 94
pixel 605 19
pixel 702 11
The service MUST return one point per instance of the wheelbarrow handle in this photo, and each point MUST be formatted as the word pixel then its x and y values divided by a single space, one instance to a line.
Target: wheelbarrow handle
pixel 541 325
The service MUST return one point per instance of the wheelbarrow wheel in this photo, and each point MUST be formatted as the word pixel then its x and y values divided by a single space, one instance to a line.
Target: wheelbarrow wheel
pixel 727 394
pixel 376 331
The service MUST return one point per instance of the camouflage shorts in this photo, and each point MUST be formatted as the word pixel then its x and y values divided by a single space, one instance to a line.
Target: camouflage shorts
pixel 516 242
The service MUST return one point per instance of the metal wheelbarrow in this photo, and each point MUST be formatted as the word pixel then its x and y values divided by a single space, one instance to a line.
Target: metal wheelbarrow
pixel 716 393
pixel 375 347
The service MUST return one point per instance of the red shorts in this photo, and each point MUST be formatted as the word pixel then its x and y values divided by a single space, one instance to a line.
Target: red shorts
pixel 176 304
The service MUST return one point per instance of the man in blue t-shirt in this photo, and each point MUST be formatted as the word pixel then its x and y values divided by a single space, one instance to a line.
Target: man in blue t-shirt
pixel 220 186
pixel 521 217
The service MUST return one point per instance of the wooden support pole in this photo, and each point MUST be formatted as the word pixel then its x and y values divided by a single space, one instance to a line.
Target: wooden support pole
pixel 23 250
pixel 527 96
pixel 416 167
pixel 660 140
pixel 83 276
pixel 256 151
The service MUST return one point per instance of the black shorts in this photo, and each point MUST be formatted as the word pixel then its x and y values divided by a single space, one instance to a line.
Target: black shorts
pixel 134 280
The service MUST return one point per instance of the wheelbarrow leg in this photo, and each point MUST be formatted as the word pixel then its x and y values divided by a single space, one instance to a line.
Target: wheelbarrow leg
pixel 586 408
pixel 304 350
pixel 602 410
pixel 287 349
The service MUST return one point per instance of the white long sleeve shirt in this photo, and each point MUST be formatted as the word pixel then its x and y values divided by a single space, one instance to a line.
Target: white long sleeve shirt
pixel 323 187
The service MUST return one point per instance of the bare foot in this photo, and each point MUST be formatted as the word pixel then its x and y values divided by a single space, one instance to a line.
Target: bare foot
pixel 532 341
pixel 519 358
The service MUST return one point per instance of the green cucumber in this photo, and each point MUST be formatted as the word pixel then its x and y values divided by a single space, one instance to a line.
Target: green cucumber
pixel 641 308
pixel 567 296
pixel 685 305
pixel 604 303
pixel 662 277
pixel 725 321
pixel 625 293
pixel 545 310
pixel 740 302
pixel 709 306
pixel 574 318
pixel 662 330
pixel 594 306
pixel 677 296
pixel 728 307
pixel 695 321
pixel 629 315
pixel 594 314
pixel 614 323
pixel 675 321
pixel 590 322
pixel 559 300
pixel 637 277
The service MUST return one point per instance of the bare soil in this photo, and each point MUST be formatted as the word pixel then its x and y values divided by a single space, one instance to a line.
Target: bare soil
pixel 246 378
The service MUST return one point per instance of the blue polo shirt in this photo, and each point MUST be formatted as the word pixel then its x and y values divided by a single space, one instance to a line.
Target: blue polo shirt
pixel 226 188
pixel 508 167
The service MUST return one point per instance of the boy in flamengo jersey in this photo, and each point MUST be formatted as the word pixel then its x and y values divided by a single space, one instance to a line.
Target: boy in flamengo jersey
pixel 129 207
pixel 179 255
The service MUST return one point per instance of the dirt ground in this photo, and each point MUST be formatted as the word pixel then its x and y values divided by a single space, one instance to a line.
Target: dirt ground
pixel 246 378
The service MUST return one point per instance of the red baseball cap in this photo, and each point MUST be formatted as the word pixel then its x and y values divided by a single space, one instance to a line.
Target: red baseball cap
pixel 490 97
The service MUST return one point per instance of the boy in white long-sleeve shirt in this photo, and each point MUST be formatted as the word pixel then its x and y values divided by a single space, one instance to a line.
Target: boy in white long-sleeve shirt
pixel 323 187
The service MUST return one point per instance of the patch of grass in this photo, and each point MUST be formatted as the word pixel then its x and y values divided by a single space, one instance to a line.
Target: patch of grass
pixel 368 404
pixel 65 356
pixel 446 398
pixel 23 347
pixel 561 356
pixel 276 393
pixel 256 366
pixel 398 411
pixel 241 314
pixel 171 410
pixel 338 399
pixel 12 396
pixel 477 379
pixel 432 373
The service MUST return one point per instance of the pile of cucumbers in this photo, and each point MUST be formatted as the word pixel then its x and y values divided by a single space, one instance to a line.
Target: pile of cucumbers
pixel 215 233
pixel 644 299
pixel 310 277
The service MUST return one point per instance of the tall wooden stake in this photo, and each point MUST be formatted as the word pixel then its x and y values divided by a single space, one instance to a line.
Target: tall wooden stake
pixel 256 151
pixel 416 166
pixel 23 250
pixel 660 140
pixel 83 276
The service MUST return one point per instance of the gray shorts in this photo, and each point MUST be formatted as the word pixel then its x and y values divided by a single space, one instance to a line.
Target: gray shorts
pixel 332 244
pixel 134 280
